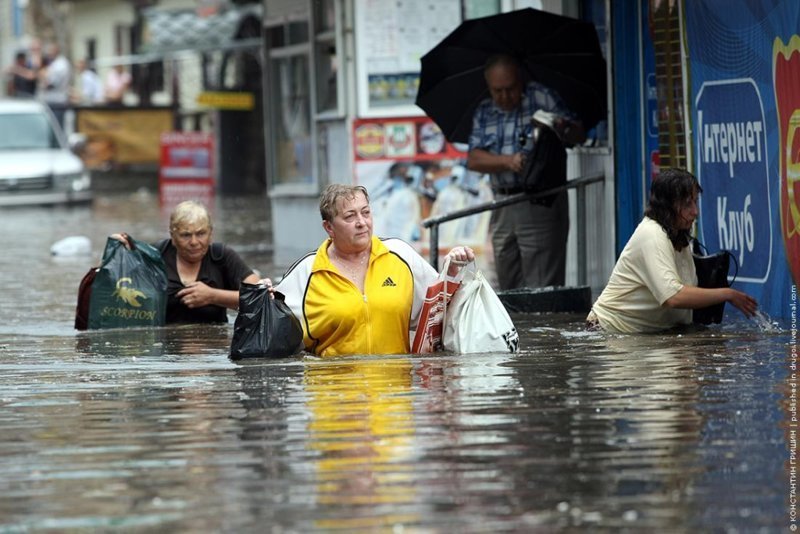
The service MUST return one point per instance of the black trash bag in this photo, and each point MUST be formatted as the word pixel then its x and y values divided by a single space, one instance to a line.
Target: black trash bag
pixel 712 272
pixel 264 327
pixel 129 289
pixel 546 165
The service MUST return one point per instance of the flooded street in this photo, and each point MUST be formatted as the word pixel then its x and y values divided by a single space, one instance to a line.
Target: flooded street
pixel 157 430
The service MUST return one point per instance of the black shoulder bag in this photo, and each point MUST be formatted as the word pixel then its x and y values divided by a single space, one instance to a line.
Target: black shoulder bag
pixel 712 272
pixel 546 165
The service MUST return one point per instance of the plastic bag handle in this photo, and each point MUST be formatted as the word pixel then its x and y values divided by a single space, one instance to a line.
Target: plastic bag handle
pixel 128 239
pixel 445 269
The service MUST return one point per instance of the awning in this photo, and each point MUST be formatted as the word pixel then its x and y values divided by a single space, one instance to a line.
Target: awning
pixel 175 30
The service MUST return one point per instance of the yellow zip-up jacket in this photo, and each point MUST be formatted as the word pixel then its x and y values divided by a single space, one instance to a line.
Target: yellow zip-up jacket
pixel 338 319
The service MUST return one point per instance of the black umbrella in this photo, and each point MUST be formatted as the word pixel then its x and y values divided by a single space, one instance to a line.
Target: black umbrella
pixel 560 52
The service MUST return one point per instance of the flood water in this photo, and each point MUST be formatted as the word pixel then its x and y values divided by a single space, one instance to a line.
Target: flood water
pixel 157 430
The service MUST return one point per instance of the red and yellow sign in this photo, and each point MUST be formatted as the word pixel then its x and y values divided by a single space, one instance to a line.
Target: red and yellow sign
pixel 407 138
pixel 369 139
pixel 187 167
pixel 787 78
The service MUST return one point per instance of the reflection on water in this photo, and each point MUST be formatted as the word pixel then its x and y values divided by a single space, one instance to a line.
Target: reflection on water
pixel 156 429
pixel 361 424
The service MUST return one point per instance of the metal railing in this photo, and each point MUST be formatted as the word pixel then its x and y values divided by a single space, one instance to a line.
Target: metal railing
pixel 579 184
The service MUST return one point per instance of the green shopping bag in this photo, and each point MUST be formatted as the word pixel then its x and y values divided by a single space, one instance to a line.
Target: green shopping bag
pixel 129 288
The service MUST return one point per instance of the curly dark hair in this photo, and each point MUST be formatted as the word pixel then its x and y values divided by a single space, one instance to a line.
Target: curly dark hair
pixel 670 188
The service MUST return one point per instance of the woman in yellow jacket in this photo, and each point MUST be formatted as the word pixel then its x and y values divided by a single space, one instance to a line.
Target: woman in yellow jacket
pixel 358 294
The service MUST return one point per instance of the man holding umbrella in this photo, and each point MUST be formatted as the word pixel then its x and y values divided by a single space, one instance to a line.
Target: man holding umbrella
pixel 482 84
pixel 529 239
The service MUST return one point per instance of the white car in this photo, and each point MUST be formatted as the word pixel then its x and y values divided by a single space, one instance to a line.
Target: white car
pixel 37 165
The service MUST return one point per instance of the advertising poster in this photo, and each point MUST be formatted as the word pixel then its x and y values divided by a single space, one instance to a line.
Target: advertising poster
pixel 122 136
pixel 411 173
pixel 186 171
pixel 392 37
pixel 744 116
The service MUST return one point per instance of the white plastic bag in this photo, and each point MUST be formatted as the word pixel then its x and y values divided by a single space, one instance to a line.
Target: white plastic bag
pixel 476 320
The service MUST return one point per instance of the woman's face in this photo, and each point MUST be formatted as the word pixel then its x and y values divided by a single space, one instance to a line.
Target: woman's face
pixel 686 213
pixel 192 241
pixel 351 228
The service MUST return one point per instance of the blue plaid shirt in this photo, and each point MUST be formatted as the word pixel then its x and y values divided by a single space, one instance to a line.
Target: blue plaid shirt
pixel 498 131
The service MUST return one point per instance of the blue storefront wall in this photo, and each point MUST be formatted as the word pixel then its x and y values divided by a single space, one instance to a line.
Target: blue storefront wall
pixel 742 96
pixel 742 71
pixel 627 118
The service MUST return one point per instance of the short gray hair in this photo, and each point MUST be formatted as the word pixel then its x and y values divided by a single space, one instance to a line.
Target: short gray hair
pixel 330 198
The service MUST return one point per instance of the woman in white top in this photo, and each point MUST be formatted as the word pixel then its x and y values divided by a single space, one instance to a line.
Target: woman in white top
pixel 654 284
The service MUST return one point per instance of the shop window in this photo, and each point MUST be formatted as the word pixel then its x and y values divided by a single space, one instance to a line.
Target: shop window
pixel 291 33
pixel 123 37
pixel 474 9
pixel 324 15
pixel 91 49
pixel 326 63
pixel 391 38
pixel 327 74
pixel 291 115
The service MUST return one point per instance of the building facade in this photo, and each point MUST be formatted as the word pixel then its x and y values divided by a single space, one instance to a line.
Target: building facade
pixel 341 80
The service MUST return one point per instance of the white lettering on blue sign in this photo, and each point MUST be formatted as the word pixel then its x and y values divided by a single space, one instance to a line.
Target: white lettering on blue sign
pixel 731 142
pixel 736 228
pixel 732 155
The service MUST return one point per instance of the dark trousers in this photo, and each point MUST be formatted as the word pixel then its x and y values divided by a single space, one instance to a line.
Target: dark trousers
pixel 530 243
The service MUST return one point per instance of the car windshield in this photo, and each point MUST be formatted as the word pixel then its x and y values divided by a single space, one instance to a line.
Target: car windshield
pixel 26 131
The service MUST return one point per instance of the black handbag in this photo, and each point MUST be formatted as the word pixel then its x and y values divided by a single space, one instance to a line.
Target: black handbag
pixel 712 272
pixel 265 327
pixel 546 165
